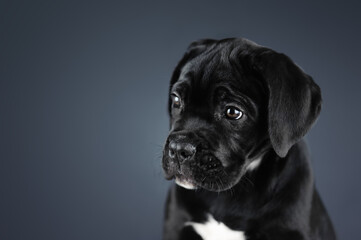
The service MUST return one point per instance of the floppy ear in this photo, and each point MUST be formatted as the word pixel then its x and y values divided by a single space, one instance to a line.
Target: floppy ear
pixel 193 50
pixel 294 99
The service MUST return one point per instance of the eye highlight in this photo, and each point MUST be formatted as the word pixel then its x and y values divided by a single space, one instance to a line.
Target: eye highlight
pixel 233 113
pixel 176 101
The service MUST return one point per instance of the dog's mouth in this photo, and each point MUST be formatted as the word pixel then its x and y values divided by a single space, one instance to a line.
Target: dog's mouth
pixel 202 172
pixel 194 163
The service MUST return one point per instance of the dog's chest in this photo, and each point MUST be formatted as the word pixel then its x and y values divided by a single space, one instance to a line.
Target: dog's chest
pixel 214 230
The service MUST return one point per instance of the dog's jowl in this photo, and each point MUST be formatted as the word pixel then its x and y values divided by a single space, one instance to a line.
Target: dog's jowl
pixel 238 112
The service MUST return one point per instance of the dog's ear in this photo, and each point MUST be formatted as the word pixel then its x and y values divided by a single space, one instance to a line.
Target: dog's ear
pixel 193 50
pixel 294 99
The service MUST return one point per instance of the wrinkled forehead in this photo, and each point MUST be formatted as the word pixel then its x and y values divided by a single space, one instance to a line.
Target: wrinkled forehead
pixel 206 73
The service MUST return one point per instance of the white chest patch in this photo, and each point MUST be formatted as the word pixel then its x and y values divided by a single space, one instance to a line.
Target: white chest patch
pixel 213 230
pixel 254 164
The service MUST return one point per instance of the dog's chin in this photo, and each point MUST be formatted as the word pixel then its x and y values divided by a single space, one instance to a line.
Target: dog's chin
pixel 185 183
pixel 214 183
pixel 210 185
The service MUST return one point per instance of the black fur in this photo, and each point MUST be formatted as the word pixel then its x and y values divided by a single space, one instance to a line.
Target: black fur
pixel 212 152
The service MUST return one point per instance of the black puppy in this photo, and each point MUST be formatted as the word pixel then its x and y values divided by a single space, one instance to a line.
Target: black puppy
pixel 238 112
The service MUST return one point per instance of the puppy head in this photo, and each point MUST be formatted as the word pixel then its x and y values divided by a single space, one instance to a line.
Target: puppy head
pixel 230 101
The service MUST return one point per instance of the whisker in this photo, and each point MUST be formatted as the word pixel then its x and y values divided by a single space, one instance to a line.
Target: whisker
pixel 249 180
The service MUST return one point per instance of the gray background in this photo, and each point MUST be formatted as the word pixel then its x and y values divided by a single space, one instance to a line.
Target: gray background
pixel 83 91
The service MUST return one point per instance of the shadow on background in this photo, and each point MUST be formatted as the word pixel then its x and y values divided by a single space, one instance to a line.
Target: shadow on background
pixel 83 92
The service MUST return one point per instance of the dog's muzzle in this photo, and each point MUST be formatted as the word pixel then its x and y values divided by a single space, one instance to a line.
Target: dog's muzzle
pixel 187 160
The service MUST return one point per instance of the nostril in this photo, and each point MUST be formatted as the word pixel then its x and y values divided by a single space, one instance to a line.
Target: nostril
pixel 172 149
pixel 171 153
pixel 184 155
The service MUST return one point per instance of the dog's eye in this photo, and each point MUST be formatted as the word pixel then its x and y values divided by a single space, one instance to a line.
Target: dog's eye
pixel 176 101
pixel 233 113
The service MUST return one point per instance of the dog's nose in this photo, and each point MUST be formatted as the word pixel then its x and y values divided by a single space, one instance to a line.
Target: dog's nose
pixel 181 151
